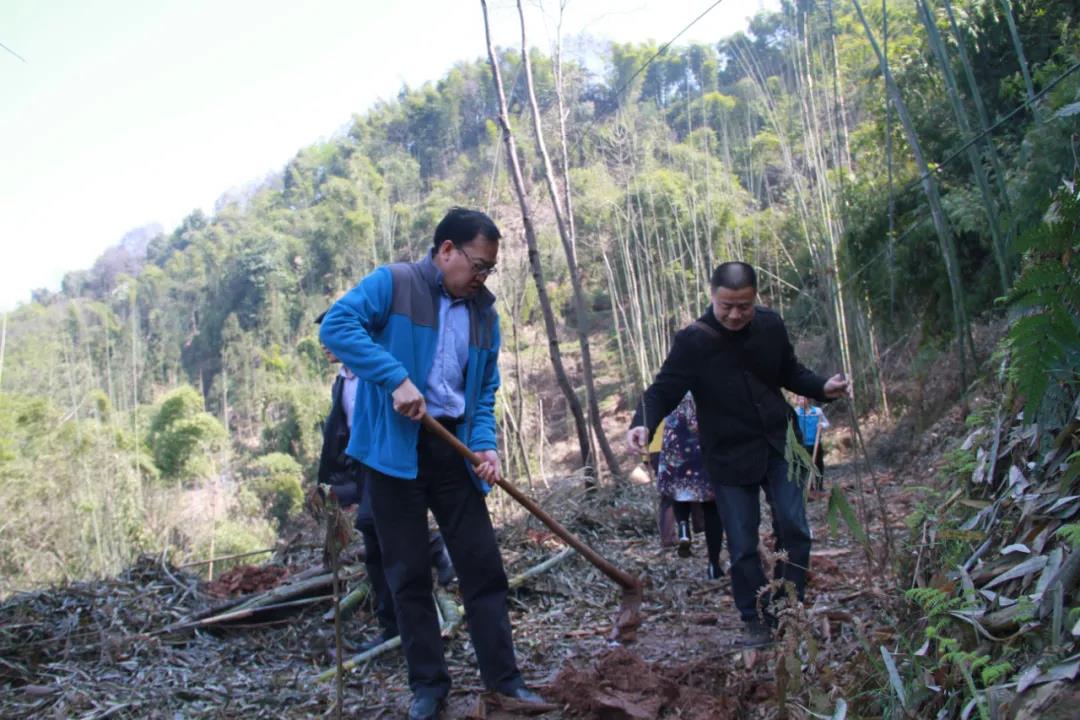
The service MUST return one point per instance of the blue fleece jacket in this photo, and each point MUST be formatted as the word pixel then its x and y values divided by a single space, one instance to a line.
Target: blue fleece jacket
pixel 385 330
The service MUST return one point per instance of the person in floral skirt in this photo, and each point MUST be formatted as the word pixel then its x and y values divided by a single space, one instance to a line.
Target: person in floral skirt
pixel 681 478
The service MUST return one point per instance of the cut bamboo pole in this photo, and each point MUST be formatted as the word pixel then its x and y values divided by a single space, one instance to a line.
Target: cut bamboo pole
pixel 222 558
pixel 244 614
pixel 521 578
pixel 450 610
pixel 287 591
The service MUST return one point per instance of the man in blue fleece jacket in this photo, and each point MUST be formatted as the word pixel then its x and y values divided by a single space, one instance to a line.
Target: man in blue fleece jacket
pixel 424 337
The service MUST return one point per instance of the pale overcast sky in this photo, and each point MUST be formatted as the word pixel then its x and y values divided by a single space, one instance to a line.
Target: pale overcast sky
pixel 127 112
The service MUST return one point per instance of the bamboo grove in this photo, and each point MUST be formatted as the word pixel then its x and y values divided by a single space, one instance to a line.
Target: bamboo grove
pixel 876 161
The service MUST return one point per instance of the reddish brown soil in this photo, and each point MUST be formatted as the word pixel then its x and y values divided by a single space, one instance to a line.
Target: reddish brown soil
pixel 245 579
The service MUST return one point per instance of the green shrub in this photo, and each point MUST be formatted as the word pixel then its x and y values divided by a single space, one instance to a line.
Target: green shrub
pixel 293 423
pixel 235 537
pixel 275 479
pixel 184 438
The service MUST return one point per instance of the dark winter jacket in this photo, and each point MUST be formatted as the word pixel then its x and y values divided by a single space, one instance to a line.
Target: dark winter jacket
pixel 335 466
pixel 735 378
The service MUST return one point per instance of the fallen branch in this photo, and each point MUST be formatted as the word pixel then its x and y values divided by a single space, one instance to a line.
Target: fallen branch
pixel 237 556
pixel 244 614
pixel 551 562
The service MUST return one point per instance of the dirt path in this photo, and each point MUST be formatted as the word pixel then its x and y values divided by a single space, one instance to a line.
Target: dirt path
pixel 686 661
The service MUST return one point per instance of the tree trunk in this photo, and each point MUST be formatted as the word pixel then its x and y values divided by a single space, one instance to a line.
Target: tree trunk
pixel 566 234
pixel 537 268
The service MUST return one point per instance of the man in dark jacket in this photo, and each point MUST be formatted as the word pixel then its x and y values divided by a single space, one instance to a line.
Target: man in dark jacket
pixel 734 359
pixel 344 475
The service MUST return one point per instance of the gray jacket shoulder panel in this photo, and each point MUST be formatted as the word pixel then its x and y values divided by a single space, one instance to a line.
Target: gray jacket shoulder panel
pixel 412 295
pixel 416 296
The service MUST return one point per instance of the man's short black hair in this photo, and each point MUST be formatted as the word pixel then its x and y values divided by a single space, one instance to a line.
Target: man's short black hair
pixel 461 226
pixel 734 276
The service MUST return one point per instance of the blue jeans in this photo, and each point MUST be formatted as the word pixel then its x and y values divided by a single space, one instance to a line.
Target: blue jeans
pixel 740 509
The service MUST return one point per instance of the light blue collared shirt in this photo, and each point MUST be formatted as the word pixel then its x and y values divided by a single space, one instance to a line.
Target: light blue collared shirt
pixel 445 396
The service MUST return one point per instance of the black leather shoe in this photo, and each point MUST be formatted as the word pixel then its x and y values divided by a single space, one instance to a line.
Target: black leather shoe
pixel 425 707
pixel 525 695
pixel 684 539
pixel 715 572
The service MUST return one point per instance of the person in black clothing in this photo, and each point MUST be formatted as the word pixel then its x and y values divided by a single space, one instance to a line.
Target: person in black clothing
pixel 734 359
pixel 344 475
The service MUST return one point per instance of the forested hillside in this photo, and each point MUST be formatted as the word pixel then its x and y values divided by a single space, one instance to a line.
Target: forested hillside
pixel 903 174
pixel 185 369
pixel 170 396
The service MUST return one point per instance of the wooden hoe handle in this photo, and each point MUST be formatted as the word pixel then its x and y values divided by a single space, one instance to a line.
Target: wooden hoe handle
pixel 621 577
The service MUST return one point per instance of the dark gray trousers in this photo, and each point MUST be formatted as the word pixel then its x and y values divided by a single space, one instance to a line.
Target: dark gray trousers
pixel 400 510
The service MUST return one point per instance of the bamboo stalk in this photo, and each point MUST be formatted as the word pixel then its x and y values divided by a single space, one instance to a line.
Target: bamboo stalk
pixel 891 239
pixel 566 234
pixel 997 242
pixel 333 549
pixel 984 125
pixel 945 239
pixel 1018 47
pixel 3 345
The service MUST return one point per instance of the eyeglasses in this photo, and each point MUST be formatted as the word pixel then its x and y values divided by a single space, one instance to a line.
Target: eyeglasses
pixel 479 268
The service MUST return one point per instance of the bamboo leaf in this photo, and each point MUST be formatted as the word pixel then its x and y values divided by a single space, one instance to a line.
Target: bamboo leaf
pixel 1068 111
pixel 1028 566
pixel 894 676
pixel 839 504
